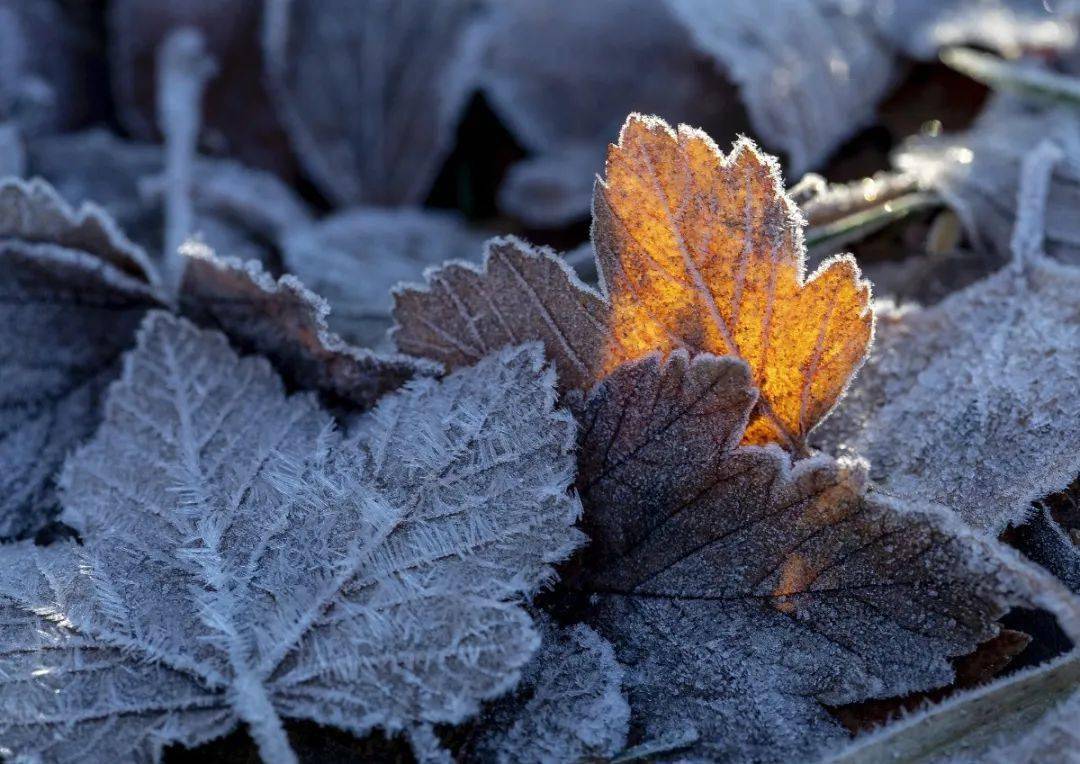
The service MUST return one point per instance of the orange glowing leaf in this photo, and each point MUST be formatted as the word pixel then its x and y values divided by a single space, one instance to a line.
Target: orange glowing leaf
pixel 705 252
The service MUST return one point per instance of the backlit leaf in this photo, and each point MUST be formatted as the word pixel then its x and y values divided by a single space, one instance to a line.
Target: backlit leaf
pixel 703 251
pixel 695 250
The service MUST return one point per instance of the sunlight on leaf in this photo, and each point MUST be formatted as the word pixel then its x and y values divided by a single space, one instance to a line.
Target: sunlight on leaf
pixel 706 252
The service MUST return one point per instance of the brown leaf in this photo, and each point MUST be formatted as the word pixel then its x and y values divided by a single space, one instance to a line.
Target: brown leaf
pixel 287 323
pixel 520 293
pixel 695 251
pixel 703 251
pixel 744 592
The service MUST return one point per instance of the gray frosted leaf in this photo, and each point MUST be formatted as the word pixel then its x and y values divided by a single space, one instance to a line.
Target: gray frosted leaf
pixel 743 592
pixel 520 293
pixel 973 402
pixel 978 174
pixel 355 257
pixel 246 563
pixel 371 91
pixel 239 119
pixel 812 62
pixel 568 707
pixel 284 321
pixel 72 292
pixel 566 92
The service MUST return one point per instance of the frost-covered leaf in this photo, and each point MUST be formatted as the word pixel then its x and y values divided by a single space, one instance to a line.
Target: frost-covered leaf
pixel 354 258
pixel 1053 739
pixel 1047 543
pixel 743 593
pixel 72 292
pixel 921 28
pixel 242 561
pixel 563 81
pixel 519 293
pixel 695 250
pixel 1027 718
pixel 568 707
pixel 284 321
pixel 705 251
pixel 371 91
pixel 975 402
pixel 239 118
pixel 978 174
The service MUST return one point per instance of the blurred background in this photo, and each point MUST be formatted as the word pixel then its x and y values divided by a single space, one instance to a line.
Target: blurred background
pixel 355 142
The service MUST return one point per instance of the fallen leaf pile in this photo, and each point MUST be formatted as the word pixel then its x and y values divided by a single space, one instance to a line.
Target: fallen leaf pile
pixel 308 453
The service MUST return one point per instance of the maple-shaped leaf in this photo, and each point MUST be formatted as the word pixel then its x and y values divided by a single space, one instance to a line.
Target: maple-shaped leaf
pixel 695 250
pixel 568 707
pixel 371 92
pixel 72 293
pixel 284 321
pixel 354 257
pixel 242 561
pixel 744 593
pixel 703 251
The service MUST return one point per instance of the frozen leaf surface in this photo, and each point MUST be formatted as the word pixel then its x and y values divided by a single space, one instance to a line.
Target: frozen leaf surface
pixel 239 118
pixel 742 592
pixel 371 91
pixel 1053 739
pixel 568 707
pixel 242 561
pixel 584 68
pixel 703 251
pixel 354 258
pixel 72 293
pixel 287 323
pixel 817 59
pixel 974 402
